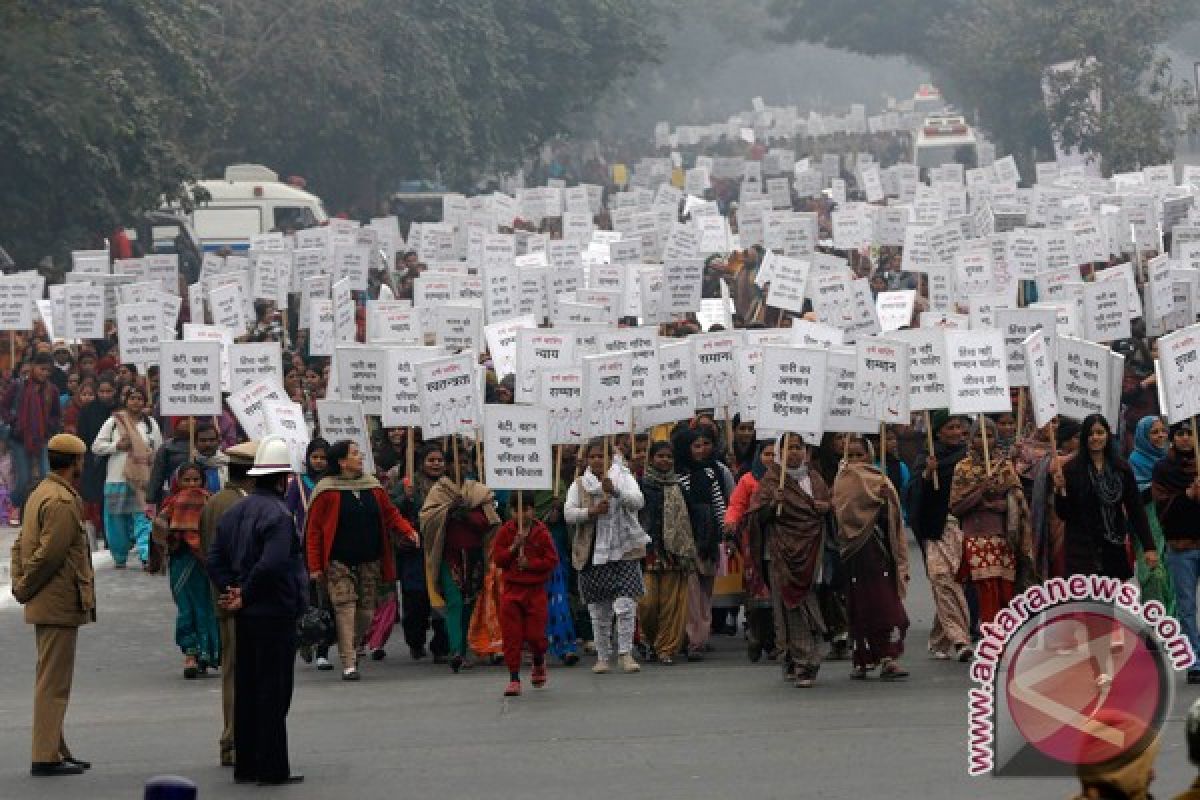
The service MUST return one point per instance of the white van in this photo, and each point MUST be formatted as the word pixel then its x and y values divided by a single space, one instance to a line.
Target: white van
pixel 249 201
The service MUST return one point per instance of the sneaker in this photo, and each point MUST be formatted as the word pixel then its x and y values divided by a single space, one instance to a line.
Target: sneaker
pixel 513 689
pixel 940 655
pixel 539 676
pixel 323 664
pixel 589 647
pixel 601 666
pixel 628 664
pixel 351 674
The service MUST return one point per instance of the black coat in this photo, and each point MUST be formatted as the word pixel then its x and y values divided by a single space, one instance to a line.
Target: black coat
pixel 1086 549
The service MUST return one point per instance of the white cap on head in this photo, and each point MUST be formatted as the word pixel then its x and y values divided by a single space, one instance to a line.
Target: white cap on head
pixel 273 456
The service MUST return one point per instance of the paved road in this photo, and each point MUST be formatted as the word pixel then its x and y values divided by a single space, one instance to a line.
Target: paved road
pixel 721 729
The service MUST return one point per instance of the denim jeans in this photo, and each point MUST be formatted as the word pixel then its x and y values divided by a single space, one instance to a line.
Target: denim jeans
pixel 24 466
pixel 1184 566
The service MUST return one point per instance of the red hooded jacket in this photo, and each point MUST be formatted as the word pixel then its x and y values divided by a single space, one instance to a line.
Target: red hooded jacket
pixel 539 549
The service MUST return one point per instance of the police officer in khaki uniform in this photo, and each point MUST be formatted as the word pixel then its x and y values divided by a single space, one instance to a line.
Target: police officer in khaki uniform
pixel 52 577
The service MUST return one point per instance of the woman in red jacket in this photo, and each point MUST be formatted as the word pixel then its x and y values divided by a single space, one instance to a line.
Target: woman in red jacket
pixel 524 550
pixel 348 541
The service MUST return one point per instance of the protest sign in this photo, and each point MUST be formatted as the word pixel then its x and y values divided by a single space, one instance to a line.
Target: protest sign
pixel 1106 311
pixel 447 396
pixel 227 305
pixel 1039 369
pixel 16 304
pixel 881 375
pixel 977 372
pixel 806 333
pixel 928 387
pixel 190 378
pixel 841 404
pixel 607 390
pixel 789 283
pixel 394 322
pixel 254 362
pixel 401 400
pixel 139 330
pixel 84 311
pixel 286 420
pixel 678 398
pixel 458 327
pixel 345 322
pixel 683 285
pixel 713 373
pixel 791 389
pixel 321 336
pixel 361 376
pixel 247 405
pixel 343 419
pixel 517 451
pixel 642 344
pixel 895 309
pixel 1017 324
pixel 560 395
pixel 746 362
pixel 1179 367
pixel 1084 378
pixel 501 340
pixel 539 349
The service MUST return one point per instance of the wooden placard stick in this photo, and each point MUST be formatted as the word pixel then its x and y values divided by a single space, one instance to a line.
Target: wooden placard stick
pixel 929 440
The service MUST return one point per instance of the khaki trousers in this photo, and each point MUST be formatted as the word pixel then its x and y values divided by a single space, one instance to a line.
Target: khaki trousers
pixel 662 611
pixel 228 627
pixel 353 591
pixel 52 690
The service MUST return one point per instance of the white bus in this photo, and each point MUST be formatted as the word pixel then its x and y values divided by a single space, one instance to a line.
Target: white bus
pixel 945 139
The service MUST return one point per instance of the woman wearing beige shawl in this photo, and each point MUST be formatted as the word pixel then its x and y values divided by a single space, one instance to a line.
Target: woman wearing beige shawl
pixel 457 523
pixel 129 438
pixel 870 535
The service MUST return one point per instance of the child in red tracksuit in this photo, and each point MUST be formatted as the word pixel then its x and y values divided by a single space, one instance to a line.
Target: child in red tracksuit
pixel 524 551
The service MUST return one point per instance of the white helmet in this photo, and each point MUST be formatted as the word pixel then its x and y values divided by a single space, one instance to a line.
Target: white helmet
pixel 273 456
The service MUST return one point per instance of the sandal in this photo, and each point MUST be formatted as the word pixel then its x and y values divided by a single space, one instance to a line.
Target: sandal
pixel 892 671
pixel 805 677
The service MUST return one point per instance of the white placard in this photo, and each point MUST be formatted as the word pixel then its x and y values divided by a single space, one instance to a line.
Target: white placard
pixel 517 451
pixel 1179 368
pixel 84 307
pixel 190 379
pixel 401 400
pixel 139 330
pixel 1084 379
pixel 1039 367
pixel 928 388
pixel 539 349
pixel 458 327
pixel 977 372
pixel 1106 311
pixel 881 376
pixel 678 400
pixel 841 397
pixel 607 389
pixel 249 363
pixel 321 335
pixel 560 395
pixel 16 304
pixel 1017 324
pixel 447 395
pixel 713 372
pixel 394 322
pixel 343 419
pixel 502 343
pixel 642 344
pixel 286 420
pixel 789 283
pixel 247 405
pixel 895 309
pixel 227 305
pixel 791 389
pixel 360 376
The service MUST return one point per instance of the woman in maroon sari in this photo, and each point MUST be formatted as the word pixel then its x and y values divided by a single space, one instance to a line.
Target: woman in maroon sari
pixel 871 543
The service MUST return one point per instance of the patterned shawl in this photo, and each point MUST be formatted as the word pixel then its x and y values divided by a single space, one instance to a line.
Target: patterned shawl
pixel 444 497
pixel 665 516
pixel 794 539
pixel 861 494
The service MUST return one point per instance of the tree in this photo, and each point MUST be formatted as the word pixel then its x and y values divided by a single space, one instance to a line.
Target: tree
pixel 991 57
pixel 99 108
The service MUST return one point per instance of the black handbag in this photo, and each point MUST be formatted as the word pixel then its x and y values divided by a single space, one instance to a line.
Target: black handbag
pixel 315 627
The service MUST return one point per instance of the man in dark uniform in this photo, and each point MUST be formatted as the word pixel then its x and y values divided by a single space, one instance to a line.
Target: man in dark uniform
pixel 52 577
pixel 257 565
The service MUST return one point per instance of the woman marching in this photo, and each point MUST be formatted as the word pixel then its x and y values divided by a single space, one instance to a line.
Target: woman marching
pixel 349 542
pixel 670 556
pixel 298 498
pixel 129 439
pixel 991 510
pixel 1098 499
pixel 760 627
pixel 91 422
pixel 1149 449
pixel 707 485
pixel 178 523
pixel 1177 502
pixel 791 524
pixel 607 550
pixel 872 546
pixel 457 522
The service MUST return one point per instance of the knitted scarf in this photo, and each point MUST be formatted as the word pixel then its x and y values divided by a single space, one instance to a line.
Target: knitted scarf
pixel 33 414
pixel 1108 486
